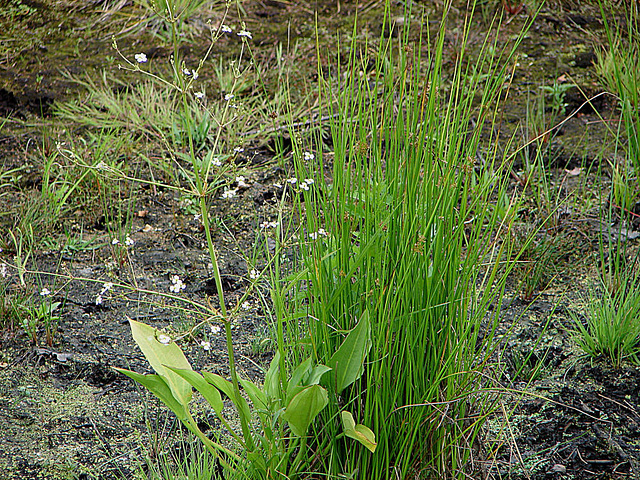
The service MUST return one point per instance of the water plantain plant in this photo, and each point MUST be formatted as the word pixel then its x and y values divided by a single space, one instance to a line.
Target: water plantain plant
pixel 284 405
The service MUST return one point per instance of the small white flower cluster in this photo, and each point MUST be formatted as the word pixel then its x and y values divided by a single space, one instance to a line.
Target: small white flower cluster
pixel 128 241
pixel 226 29
pixel 240 180
pixel 199 95
pixel 3 270
pixel 254 274
pixel 216 162
pixel 190 73
pixel 320 233
pixel 215 329
pixel 245 33
pixel 229 96
pixel 266 225
pixel 140 57
pixel 246 305
pixel 238 149
pixel 308 156
pixel 111 266
pixel 229 193
pixel 45 292
pixel 164 339
pixel 205 345
pixel 105 288
pixel 176 284
pixel 306 183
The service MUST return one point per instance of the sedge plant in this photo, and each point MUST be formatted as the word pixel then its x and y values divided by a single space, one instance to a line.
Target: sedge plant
pixel 399 232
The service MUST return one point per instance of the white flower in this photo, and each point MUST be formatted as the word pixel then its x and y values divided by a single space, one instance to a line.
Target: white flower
pixel 229 96
pixel 304 186
pixel 128 241
pixel 177 284
pixel 140 57
pixel 246 306
pixel 3 270
pixel 99 299
pixel 164 339
pixel 229 193
pixel 320 233
pixel 238 149
pixel 105 288
pixel 292 180
pixel 254 274
pixel 215 329
pixel 309 181
pixel 195 74
pixel 115 241
pixel 45 292
pixel 216 162
pixel 245 33
pixel 241 183
pixel 308 156
pixel 265 225
pixel 102 166
pixel 186 72
pixel 199 95
pixel 206 345
pixel 277 185
pixel 226 29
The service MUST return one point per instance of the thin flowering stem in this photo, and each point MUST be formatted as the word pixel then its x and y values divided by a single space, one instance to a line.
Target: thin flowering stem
pixel 198 308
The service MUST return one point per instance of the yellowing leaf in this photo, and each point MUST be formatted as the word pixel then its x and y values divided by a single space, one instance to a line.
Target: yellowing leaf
pixel 161 356
pixel 358 432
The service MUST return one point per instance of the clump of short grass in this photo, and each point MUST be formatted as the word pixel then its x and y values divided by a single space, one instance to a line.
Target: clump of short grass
pixel 610 324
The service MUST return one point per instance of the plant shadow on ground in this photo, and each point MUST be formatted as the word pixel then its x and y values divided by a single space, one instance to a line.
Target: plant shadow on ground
pixel 67 414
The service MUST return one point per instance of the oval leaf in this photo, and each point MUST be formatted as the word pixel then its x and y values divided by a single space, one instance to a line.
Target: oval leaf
pixel 348 362
pixel 304 407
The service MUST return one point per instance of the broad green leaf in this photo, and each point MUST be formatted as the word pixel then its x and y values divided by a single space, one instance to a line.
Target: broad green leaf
pixel 316 374
pixel 304 407
pixel 296 378
pixel 311 376
pixel 226 387
pixel 358 432
pixel 256 395
pixel 272 378
pixel 348 362
pixel 208 391
pixel 162 355
pixel 156 385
